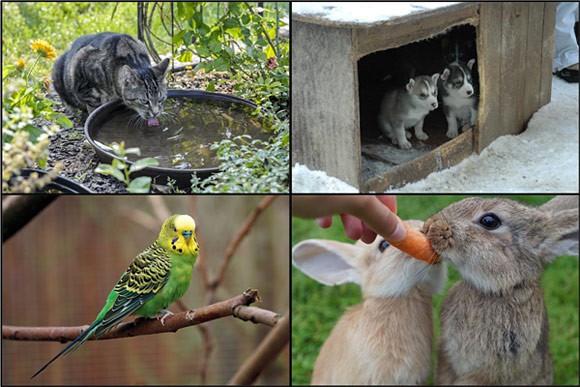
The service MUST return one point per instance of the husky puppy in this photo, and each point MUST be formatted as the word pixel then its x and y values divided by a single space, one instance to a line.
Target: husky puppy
pixel 406 107
pixel 458 97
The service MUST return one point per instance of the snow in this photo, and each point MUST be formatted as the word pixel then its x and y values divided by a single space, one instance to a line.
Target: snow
pixel 305 180
pixel 544 158
pixel 363 12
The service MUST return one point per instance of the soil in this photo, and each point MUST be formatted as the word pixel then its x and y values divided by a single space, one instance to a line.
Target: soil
pixel 80 159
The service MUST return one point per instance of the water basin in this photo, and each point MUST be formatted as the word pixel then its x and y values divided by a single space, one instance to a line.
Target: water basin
pixel 192 122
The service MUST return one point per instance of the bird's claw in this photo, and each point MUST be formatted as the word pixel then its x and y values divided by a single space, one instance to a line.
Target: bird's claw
pixel 164 314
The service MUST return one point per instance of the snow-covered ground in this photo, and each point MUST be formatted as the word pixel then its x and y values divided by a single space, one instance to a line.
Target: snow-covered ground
pixel 362 12
pixel 544 158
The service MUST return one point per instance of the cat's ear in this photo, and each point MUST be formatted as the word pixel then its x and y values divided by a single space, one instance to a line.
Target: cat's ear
pixel 162 68
pixel 128 75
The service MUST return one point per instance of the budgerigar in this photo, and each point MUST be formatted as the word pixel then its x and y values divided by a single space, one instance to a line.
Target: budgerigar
pixel 156 278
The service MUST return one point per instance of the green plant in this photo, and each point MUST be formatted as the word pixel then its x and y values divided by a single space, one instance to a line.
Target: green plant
pixel 121 170
pixel 24 96
pixel 248 165
pixel 241 41
pixel 22 153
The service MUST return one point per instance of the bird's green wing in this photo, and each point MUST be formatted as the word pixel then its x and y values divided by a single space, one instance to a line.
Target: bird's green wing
pixel 144 278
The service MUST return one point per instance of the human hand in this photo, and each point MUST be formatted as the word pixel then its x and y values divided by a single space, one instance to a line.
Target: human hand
pixel 363 216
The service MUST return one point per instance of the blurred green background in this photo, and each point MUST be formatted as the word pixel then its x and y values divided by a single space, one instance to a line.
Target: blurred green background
pixel 316 308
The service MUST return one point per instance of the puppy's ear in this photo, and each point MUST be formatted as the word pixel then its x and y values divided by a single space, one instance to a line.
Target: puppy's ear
pixel 470 64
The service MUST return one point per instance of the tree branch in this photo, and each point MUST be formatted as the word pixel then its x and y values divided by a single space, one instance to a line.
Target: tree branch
pixel 245 229
pixel 267 351
pixel 141 326
pixel 17 211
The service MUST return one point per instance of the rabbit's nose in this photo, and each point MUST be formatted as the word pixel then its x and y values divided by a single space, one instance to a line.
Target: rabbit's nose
pixel 438 232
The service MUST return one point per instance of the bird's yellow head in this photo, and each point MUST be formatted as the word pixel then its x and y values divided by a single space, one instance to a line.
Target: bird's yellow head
pixel 178 234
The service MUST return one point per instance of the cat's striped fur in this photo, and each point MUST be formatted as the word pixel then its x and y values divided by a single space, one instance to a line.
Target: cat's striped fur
pixel 108 66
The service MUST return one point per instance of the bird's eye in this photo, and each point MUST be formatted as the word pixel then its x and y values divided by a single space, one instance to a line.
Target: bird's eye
pixel 383 245
pixel 174 230
pixel 490 221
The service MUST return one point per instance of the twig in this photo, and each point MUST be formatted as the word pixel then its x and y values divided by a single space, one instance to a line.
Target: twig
pixel 257 315
pixel 159 207
pixel 267 351
pixel 235 243
pixel 139 327
pixel 17 211
pixel 207 350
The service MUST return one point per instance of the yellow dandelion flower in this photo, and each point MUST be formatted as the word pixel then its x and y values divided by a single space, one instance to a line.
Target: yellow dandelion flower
pixel 43 48
pixel 21 63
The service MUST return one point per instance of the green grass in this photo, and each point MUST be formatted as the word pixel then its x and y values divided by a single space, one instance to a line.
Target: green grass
pixel 316 308
pixel 59 24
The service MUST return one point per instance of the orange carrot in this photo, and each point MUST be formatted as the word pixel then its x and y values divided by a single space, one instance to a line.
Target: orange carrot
pixel 417 246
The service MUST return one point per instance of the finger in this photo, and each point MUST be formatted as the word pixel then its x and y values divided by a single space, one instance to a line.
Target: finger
pixel 352 226
pixel 368 235
pixel 378 217
pixel 325 221
pixel 389 201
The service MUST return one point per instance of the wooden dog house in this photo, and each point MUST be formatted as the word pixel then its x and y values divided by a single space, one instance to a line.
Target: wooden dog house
pixel 514 49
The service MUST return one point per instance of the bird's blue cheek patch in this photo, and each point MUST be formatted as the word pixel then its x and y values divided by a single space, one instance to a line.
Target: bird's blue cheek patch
pixel 174 240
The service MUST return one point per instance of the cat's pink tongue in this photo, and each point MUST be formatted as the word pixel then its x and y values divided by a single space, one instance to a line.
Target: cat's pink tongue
pixel 152 121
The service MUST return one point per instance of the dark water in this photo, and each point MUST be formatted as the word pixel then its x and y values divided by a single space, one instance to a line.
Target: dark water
pixel 185 132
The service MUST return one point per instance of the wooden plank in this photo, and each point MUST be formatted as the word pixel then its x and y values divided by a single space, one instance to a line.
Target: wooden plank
pixel 533 65
pixel 325 122
pixel 514 20
pixel 548 28
pixel 449 154
pixel 489 34
pixel 412 28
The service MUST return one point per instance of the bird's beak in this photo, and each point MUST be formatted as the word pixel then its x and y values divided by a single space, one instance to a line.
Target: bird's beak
pixel 187 234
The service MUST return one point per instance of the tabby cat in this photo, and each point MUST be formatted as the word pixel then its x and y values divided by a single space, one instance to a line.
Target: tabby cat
pixel 108 66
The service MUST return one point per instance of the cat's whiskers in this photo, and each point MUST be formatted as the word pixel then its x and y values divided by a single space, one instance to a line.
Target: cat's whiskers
pixel 134 120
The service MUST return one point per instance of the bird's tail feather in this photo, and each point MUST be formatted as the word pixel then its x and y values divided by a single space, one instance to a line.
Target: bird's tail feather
pixel 72 346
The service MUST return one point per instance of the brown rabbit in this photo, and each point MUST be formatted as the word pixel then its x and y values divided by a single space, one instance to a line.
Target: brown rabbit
pixel 387 339
pixel 494 327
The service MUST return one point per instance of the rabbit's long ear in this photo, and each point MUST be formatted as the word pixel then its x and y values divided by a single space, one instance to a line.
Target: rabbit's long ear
pixel 562 229
pixel 328 262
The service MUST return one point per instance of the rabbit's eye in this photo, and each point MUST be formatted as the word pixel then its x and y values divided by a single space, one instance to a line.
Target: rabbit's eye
pixel 490 221
pixel 383 245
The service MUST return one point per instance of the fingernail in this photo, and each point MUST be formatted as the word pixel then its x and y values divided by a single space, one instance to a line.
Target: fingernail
pixel 399 233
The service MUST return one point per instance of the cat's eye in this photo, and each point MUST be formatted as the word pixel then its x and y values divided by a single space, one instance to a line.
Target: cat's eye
pixel 490 221
pixel 383 245
pixel 143 101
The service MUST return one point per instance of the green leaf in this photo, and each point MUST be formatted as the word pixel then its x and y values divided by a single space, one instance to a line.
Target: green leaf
pixel 215 46
pixel 33 132
pixel 178 37
pixel 118 164
pixel 143 163
pixel 231 23
pixel 202 51
pixel 106 169
pixel 210 86
pixel 186 57
pixel 140 185
pixel 133 151
pixel 221 64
